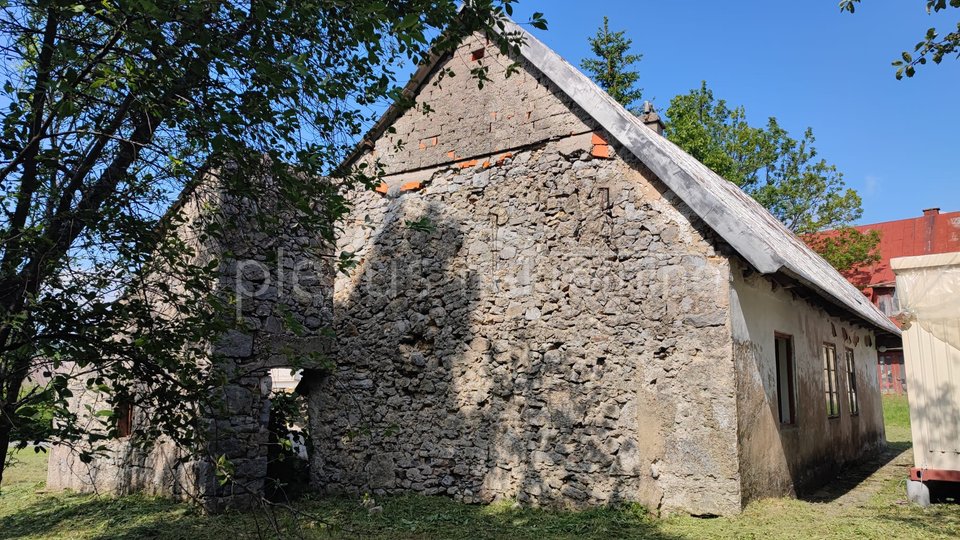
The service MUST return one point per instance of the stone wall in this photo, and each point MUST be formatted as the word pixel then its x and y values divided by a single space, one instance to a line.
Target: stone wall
pixel 534 318
pixel 777 459
pixel 456 120
pixel 282 277
pixel 163 470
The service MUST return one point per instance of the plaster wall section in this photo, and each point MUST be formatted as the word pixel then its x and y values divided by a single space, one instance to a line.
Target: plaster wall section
pixel 779 459
pixel 543 321
pixel 123 469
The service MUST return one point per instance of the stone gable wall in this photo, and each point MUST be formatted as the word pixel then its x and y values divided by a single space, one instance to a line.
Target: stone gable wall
pixel 455 120
pixel 534 317
pixel 536 343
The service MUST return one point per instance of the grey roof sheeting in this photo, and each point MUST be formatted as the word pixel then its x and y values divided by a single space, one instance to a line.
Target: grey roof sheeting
pixel 742 222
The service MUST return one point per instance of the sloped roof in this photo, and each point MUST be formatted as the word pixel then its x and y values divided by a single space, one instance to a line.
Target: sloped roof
pixel 928 234
pixel 742 222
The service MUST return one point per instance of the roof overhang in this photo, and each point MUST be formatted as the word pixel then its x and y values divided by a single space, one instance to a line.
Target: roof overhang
pixel 764 242
pixel 742 222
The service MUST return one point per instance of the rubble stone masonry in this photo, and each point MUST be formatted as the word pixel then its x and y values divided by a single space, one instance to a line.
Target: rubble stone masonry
pixel 533 317
pixel 280 279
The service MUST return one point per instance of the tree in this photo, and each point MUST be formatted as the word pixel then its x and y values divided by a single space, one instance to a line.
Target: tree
pixel 933 46
pixel 611 68
pixel 115 107
pixel 801 190
pixel 719 136
pixel 848 250
pixel 783 174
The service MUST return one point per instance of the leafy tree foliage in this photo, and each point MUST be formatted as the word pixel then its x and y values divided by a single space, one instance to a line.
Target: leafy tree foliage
pixel 933 46
pixel 112 109
pixel 719 136
pixel 847 249
pixel 784 174
pixel 611 68
pixel 803 191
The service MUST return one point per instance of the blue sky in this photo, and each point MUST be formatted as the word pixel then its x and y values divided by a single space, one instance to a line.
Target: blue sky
pixel 809 65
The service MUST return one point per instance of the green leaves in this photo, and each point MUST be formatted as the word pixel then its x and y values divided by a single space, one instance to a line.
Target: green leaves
pixel 224 470
pixel 424 224
pixel 782 173
pixel 930 47
pixel 719 136
pixel 538 21
pixel 847 249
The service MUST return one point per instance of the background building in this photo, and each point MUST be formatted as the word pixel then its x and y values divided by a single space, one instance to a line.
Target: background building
pixel 933 232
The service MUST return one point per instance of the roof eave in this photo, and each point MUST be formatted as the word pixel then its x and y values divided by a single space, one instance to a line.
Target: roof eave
pixel 651 149
pixel 740 232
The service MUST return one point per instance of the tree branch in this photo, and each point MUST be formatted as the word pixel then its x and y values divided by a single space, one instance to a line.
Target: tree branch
pixel 28 182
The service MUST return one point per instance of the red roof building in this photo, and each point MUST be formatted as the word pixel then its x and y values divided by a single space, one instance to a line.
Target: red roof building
pixel 933 232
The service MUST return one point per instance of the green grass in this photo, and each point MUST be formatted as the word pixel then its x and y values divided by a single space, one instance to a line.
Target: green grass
pixel 27 467
pixel 875 509
pixel 896 418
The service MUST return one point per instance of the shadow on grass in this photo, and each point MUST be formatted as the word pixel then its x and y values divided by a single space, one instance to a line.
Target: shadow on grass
pixel 926 527
pixel 401 517
pixel 849 478
pixel 414 516
pixel 96 517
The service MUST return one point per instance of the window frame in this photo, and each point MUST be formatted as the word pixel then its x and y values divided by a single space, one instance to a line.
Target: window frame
pixel 124 413
pixel 791 379
pixel 853 392
pixel 831 391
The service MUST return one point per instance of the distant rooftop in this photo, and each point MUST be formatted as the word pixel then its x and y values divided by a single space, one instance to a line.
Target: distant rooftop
pixel 927 234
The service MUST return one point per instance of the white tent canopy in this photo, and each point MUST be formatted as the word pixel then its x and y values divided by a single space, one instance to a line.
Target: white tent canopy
pixel 929 290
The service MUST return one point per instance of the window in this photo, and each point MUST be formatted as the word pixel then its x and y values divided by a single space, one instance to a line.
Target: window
pixel 124 412
pixel 830 382
pixel 887 300
pixel 852 384
pixel 786 404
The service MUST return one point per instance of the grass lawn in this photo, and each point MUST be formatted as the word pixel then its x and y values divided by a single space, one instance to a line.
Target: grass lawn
pixel 896 418
pixel 28 468
pixel 874 508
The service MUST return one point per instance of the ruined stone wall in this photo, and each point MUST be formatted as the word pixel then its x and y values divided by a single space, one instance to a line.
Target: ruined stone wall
pixel 777 459
pixel 544 324
pixel 282 279
pixel 162 470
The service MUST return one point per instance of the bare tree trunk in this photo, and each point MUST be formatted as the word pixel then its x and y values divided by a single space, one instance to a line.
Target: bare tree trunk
pixel 4 443
pixel 9 393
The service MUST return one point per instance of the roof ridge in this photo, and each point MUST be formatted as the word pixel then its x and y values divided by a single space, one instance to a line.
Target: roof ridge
pixel 724 207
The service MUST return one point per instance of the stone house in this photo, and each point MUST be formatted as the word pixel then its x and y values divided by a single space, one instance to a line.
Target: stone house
pixel 556 304
pixel 552 303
